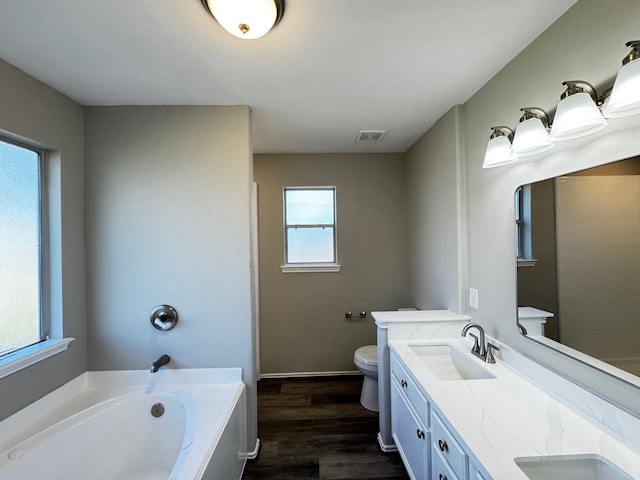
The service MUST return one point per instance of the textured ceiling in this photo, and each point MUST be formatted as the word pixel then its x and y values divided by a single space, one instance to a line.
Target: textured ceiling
pixel 329 69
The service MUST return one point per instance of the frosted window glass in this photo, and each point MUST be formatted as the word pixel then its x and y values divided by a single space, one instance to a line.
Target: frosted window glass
pixel 309 207
pixel 309 245
pixel 19 248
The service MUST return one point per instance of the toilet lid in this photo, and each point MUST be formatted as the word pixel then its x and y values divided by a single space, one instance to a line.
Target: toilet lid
pixel 368 354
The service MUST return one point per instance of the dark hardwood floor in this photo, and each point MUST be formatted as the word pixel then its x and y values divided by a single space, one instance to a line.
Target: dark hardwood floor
pixel 316 428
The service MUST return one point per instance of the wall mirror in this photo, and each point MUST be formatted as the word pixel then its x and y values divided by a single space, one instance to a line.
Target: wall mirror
pixel 578 275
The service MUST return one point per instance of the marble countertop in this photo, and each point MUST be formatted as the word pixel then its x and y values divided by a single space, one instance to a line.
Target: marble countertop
pixel 408 316
pixel 509 416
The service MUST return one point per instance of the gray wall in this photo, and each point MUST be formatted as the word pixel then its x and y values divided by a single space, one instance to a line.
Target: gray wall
pixel 168 221
pixel 31 110
pixel 436 216
pixel 302 322
pixel 586 43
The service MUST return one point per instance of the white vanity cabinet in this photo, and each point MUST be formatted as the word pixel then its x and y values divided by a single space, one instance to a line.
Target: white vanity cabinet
pixel 409 416
pixel 428 446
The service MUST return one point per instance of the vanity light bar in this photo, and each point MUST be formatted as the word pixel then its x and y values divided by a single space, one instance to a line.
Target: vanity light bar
pixel 580 112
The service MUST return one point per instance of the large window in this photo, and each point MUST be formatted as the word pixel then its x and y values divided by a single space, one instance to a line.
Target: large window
pixel 22 321
pixel 310 227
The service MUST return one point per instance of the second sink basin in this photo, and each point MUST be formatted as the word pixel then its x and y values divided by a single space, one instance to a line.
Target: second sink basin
pixel 448 363
pixel 575 467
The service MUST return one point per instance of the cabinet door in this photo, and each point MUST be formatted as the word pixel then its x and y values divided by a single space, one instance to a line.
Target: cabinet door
pixel 410 435
pixel 445 443
pixel 475 473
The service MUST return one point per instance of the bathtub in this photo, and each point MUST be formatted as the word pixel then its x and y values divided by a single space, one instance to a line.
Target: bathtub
pixel 131 425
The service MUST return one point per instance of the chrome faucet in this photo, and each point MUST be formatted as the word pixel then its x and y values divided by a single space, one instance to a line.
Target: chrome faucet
pixel 480 348
pixel 161 362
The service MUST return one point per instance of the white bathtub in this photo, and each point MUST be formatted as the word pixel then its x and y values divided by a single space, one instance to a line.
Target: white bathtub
pixel 99 426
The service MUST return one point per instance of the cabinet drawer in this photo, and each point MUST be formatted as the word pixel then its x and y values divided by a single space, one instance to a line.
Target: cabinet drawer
pixel 406 384
pixel 410 435
pixel 448 447
pixel 439 468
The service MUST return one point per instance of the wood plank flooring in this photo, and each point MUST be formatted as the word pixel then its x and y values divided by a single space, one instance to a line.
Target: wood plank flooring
pixel 316 428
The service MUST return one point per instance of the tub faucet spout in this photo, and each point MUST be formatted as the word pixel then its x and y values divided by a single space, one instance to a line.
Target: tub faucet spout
pixel 161 362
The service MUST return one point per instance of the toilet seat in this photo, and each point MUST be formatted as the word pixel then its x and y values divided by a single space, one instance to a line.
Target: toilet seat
pixel 367 355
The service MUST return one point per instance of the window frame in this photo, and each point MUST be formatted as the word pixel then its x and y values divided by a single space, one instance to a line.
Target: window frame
pixel 524 243
pixel 18 358
pixel 291 267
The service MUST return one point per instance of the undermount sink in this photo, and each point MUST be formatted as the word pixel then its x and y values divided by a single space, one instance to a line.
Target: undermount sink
pixel 575 467
pixel 448 363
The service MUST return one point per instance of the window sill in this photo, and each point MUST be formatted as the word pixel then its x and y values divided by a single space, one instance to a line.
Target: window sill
pixel 28 356
pixel 527 262
pixel 311 268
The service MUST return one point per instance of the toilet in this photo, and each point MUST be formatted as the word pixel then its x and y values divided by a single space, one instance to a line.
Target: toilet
pixel 366 359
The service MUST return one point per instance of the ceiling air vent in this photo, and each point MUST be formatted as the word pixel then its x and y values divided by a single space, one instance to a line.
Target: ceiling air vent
pixel 370 135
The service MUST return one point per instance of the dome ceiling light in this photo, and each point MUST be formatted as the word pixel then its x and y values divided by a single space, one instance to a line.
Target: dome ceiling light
pixel 246 19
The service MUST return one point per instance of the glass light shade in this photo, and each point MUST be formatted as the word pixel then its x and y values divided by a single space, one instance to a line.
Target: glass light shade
pixel 576 116
pixel 625 96
pixel 247 19
pixel 531 137
pixel 498 153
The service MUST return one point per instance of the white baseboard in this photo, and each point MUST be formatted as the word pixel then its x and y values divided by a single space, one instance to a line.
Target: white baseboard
pixel 256 451
pixel 310 374
pixel 384 447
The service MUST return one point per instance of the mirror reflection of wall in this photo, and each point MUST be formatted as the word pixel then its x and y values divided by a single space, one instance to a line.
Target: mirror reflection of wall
pixel 585 235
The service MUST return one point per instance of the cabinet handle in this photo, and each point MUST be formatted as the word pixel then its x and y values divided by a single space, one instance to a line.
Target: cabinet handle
pixel 442 445
pixel 403 383
pixel 420 433
pixel 442 477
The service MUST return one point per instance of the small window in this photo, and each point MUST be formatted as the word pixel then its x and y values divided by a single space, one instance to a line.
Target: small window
pixel 310 229
pixel 22 321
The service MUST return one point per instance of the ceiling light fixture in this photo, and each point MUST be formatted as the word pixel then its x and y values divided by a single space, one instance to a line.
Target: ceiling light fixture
pixel 498 151
pixel 247 19
pixel 577 114
pixel 532 133
pixel 625 97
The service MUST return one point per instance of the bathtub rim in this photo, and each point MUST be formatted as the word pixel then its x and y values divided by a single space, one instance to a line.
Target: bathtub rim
pixel 55 406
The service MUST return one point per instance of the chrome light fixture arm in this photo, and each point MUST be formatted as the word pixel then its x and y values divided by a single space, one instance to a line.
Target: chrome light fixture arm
pixel 535 112
pixel 634 54
pixel 580 86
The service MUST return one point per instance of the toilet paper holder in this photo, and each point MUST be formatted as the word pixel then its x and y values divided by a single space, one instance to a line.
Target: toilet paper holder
pixel 362 314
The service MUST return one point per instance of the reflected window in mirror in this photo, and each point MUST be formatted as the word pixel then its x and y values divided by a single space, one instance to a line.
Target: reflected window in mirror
pixel 524 247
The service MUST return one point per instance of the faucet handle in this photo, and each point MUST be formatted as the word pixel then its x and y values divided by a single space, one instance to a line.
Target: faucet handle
pixel 490 348
pixel 476 345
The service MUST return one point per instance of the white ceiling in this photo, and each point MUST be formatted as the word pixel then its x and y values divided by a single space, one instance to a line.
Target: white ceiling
pixel 329 69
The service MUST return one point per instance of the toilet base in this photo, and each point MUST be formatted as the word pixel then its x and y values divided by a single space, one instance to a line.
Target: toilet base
pixel 369 394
